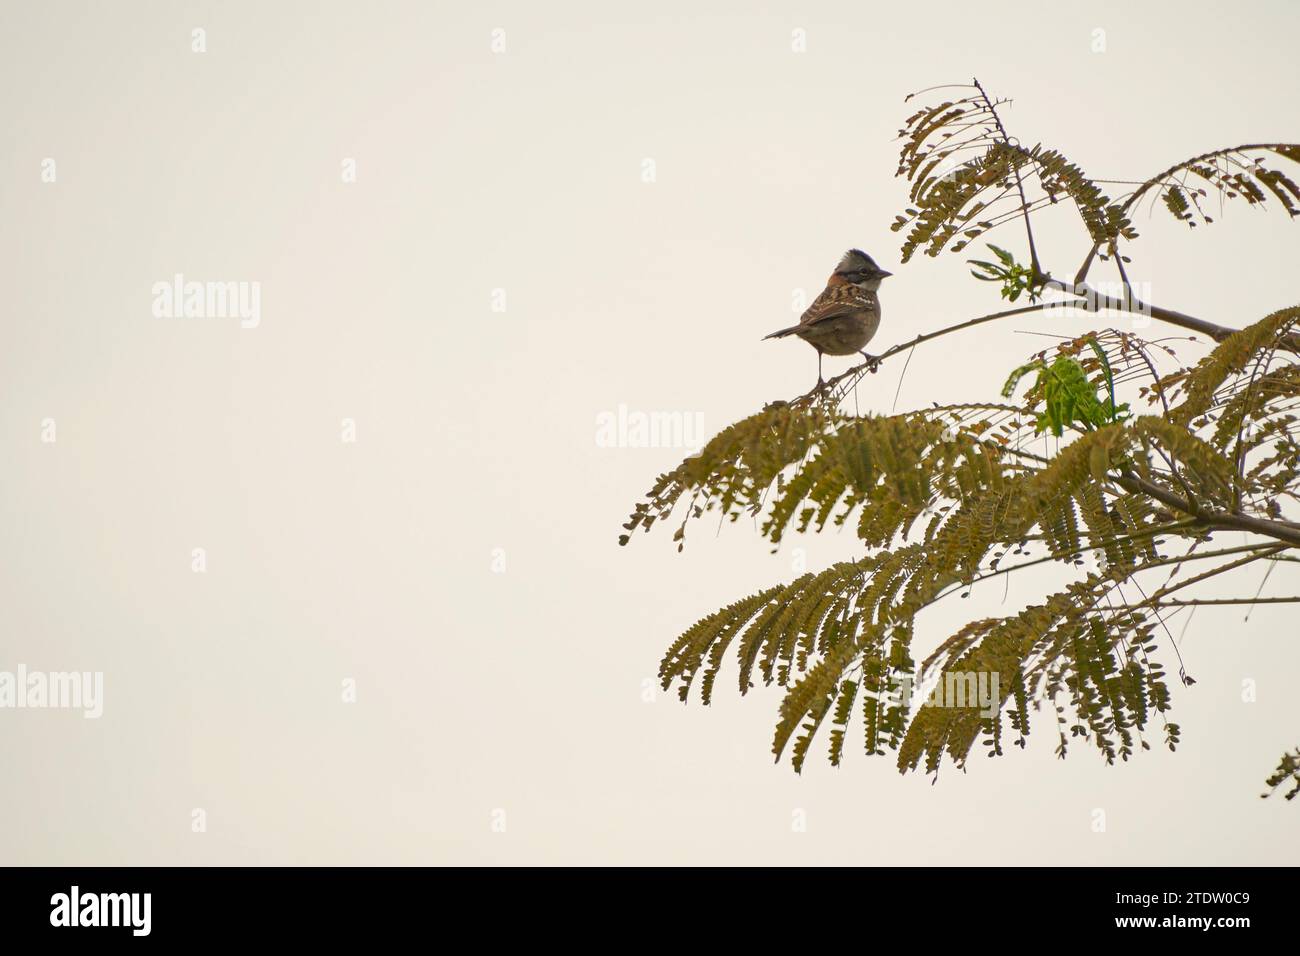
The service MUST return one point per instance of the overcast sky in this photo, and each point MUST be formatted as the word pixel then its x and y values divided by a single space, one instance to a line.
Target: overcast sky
pixel 349 568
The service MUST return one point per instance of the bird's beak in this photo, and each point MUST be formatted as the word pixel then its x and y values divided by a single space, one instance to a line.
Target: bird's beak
pixel 884 275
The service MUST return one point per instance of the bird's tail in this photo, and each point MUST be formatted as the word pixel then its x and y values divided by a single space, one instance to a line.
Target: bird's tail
pixel 783 333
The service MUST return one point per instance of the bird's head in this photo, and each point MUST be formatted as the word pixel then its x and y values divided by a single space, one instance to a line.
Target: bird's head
pixel 860 269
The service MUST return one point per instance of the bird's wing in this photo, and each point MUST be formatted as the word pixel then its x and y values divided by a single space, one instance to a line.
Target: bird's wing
pixel 834 302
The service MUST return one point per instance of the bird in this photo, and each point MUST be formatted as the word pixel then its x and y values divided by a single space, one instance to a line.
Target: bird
pixel 846 315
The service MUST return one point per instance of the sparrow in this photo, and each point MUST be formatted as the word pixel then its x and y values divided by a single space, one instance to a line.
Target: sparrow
pixel 846 315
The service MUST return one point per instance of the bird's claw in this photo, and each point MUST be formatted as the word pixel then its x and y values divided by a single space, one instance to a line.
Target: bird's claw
pixel 873 362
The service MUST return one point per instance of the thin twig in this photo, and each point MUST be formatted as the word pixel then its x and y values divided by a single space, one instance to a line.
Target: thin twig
pixel 1020 186
pixel 1199 602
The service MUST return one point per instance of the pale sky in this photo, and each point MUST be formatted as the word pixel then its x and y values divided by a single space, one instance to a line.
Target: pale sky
pixel 413 637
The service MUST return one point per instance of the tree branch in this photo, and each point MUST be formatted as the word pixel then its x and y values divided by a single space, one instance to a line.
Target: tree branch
pixel 1280 530
pixel 1156 180
pixel 1205 575
pixel 862 368
pixel 1087 299
pixel 1099 301
pixel 1197 602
